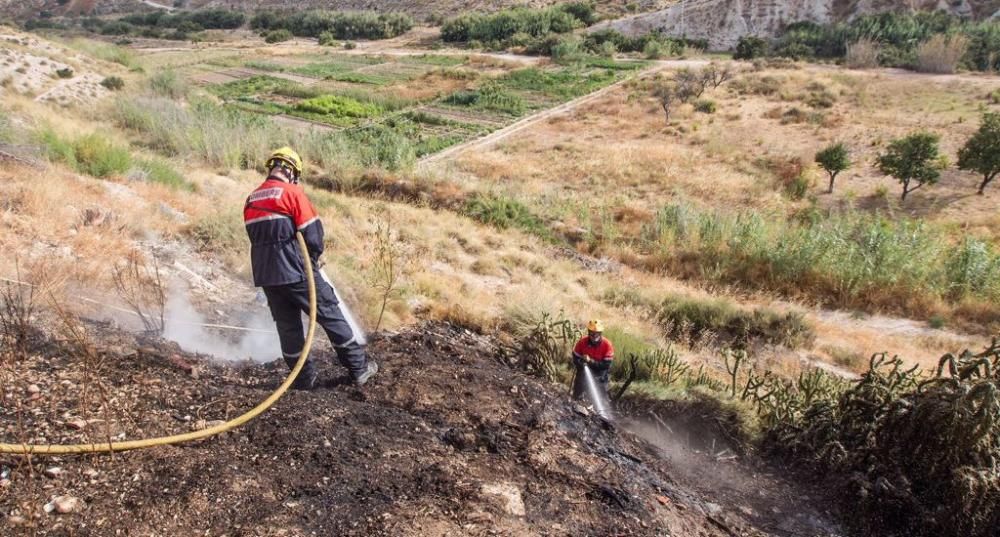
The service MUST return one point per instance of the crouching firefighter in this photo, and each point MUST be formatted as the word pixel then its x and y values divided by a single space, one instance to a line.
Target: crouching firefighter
pixel 594 352
pixel 272 215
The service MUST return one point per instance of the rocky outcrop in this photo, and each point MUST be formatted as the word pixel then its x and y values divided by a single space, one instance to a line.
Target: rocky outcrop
pixel 723 22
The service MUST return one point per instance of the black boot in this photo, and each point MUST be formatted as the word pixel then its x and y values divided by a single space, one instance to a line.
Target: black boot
pixel 307 378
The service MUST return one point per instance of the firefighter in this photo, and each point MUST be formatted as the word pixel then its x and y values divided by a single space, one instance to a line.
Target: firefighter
pixel 272 214
pixel 595 352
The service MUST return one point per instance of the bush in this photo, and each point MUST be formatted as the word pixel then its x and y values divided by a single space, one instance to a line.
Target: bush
pixel 981 152
pixel 608 49
pixel 914 452
pixel 97 156
pixel 489 97
pixel 845 260
pixel 913 160
pixel 168 84
pixel 277 36
pixel 341 25
pixel 654 50
pixel 161 172
pixel 64 73
pixel 696 321
pixel 862 54
pixel 327 39
pixel 568 50
pixel 749 47
pixel 113 83
pixel 503 25
pixel 834 159
pixel 504 212
pixel 757 85
pixel 941 54
pixel 705 106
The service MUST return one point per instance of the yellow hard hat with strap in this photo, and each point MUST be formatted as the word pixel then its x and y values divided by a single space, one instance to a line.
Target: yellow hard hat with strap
pixel 289 157
pixel 595 325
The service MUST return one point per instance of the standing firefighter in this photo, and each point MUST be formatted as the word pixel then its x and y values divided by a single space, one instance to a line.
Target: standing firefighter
pixel 595 352
pixel 272 214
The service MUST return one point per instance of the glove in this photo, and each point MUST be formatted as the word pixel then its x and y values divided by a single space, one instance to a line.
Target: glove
pixel 601 366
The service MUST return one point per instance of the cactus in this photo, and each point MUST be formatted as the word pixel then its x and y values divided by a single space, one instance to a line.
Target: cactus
pixel 733 359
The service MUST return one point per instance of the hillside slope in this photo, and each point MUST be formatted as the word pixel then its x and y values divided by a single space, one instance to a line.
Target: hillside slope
pixel 723 22
pixel 446 441
pixel 418 8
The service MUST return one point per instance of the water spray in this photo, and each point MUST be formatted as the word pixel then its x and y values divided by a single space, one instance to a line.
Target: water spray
pixel 596 395
pixel 359 334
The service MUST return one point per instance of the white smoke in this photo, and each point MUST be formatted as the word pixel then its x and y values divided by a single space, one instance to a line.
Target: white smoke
pixel 183 324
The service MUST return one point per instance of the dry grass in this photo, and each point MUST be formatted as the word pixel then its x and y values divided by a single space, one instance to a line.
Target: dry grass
pixel 862 54
pixel 941 54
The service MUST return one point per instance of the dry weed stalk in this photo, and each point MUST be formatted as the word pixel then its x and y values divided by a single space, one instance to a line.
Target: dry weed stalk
pixel 389 262
pixel 93 362
pixel 141 287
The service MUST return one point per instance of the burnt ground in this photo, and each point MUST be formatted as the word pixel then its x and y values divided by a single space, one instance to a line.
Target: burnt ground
pixel 448 440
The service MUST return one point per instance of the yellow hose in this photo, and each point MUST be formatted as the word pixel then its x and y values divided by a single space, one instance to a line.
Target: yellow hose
pixel 107 447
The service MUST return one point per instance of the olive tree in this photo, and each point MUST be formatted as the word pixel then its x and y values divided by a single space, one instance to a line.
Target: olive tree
pixel 834 159
pixel 913 160
pixel 981 153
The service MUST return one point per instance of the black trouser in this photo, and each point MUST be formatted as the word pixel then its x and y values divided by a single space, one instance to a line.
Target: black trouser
pixel 602 375
pixel 288 302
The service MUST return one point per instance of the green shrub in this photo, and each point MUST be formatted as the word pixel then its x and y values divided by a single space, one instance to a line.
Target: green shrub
pixel 161 172
pixel 749 47
pixel 503 25
pixel 608 50
pixel 55 148
pixel 168 84
pixel 341 25
pixel 705 106
pixel 64 73
pixel 95 155
pixel 695 320
pixel 277 36
pixel 568 50
pixel 504 212
pixel 489 97
pixel 846 260
pixel 654 50
pixel 327 39
pixel 113 83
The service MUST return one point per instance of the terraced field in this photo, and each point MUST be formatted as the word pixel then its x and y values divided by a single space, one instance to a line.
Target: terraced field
pixel 434 100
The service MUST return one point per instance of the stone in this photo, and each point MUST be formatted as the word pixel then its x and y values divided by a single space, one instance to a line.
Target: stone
pixel 53 472
pixel 510 496
pixel 66 504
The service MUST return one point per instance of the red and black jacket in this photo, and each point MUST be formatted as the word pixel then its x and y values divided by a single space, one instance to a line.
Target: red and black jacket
pixel 272 215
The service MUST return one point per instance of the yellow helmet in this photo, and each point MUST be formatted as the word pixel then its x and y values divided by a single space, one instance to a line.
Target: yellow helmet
pixel 288 156
pixel 595 325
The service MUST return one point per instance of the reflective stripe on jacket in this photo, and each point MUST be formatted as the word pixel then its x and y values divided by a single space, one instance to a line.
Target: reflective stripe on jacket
pixel 272 214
